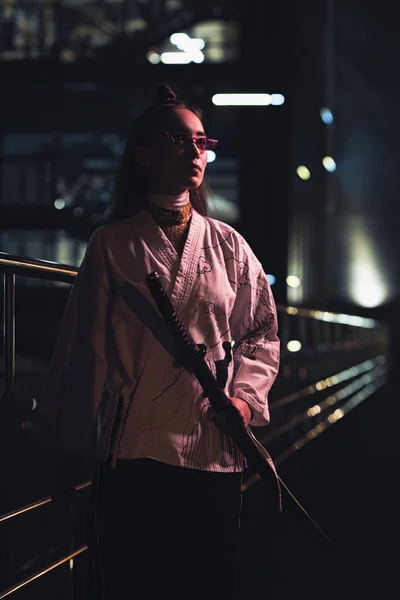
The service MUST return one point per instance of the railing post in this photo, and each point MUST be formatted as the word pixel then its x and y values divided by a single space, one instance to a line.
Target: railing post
pixel 8 334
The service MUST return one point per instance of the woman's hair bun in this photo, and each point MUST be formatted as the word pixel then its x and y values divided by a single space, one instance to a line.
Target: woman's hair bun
pixel 165 95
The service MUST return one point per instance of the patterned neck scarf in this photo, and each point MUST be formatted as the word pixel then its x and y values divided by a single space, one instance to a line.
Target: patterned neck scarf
pixel 173 222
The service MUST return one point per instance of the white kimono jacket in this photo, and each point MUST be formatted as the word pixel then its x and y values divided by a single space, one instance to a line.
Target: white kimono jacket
pixel 116 384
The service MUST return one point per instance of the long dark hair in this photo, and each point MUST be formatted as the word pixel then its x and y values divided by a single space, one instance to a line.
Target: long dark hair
pixel 130 183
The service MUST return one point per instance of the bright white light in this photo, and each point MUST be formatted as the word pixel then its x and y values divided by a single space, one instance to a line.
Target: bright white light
pixel 293 281
pixel 184 42
pixel 277 99
pixel 178 38
pixel 198 43
pixel 327 316
pixel 241 99
pixel 197 57
pixel 303 172
pixel 271 278
pixel 367 288
pixel 175 58
pixel 211 156
pixel 154 58
pixel 191 46
pixel 326 115
pixel 329 164
pixel 294 346
pixel 59 204
pixel 366 281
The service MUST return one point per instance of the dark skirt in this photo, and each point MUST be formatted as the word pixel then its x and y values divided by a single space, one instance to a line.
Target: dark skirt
pixel 157 531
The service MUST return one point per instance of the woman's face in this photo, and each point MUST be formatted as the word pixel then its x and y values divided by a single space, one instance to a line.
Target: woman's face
pixel 172 167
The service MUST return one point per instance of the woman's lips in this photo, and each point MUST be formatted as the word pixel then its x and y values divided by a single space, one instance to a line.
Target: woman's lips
pixel 194 168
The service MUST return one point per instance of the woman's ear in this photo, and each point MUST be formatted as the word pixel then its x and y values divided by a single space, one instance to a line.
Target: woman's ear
pixel 141 156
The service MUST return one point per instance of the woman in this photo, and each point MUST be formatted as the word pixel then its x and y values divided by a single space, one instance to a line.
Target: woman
pixel 167 489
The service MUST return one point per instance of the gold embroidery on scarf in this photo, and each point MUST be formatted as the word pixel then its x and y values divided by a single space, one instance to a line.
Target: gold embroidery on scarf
pixel 173 222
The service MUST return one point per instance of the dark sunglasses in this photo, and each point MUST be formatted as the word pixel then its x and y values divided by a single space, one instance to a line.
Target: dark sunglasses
pixel 184 139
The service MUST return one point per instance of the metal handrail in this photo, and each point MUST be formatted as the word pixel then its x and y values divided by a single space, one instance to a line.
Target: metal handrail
pixel 332 418
pixel 8 334
pixel 12 265
pixel 329 317
pixel 41 269
pixel 53 566
pixel 42 502
pixel 36 268
pixel 334 379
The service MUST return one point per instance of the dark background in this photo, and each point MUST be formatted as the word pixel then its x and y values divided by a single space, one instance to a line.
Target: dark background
pixel 73 77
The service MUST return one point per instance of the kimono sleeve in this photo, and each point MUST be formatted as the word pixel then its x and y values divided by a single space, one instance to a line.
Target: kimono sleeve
pixel 74 384
pixel 256 351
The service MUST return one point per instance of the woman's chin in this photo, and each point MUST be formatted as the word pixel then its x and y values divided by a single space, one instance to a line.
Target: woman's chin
pixel 182 183
pixel 194 182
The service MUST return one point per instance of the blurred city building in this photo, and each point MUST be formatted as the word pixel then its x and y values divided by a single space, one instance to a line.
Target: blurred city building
pixel 303 97
pixel 306 167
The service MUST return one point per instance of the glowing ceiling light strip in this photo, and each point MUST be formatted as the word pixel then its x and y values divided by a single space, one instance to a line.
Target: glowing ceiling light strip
pixel 175 58
pixel 190 46
pixel 241 99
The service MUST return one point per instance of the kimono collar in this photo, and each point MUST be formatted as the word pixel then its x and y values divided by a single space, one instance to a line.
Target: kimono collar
pixel 171 202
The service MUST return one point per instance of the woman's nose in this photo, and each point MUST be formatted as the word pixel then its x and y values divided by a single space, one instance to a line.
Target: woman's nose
pixel 193 149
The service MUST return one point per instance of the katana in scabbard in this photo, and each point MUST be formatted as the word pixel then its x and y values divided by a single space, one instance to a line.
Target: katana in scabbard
pixel 255 454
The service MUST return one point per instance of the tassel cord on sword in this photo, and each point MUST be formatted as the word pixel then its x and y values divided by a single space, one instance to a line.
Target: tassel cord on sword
pixel 283 485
